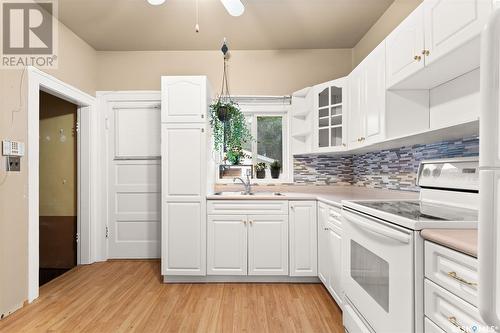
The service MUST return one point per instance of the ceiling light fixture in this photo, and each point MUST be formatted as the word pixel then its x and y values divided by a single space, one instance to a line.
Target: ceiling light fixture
pixel 233 7
pixel 156 2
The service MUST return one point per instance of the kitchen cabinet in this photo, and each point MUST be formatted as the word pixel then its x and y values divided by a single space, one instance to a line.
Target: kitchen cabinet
pixel 330 116
pixel 184 184
pixel 267 245
pixel 227 245
pixel 303 238
pixel 437 42
pixel 330 250
pixel 366 123
pixel 404 48
pixel 184 99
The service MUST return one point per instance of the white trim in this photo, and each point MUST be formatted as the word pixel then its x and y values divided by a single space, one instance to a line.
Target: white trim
pixel 38 80
pixel 105 102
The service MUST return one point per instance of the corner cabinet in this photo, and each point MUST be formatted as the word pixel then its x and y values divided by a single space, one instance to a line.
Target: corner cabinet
pixel 184 185
pixel 367 101
pixel 330 116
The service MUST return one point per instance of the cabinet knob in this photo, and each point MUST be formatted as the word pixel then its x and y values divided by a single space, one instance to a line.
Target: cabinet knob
pixel 344 145
pixel 426 52
pixel 417 58
pixel 363 139
pixel 251 222
pixel 202 130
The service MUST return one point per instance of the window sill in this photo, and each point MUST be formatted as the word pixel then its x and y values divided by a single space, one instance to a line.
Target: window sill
pixel 255 181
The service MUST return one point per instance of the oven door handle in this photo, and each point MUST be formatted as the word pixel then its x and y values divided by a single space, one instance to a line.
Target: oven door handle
pixel 376 228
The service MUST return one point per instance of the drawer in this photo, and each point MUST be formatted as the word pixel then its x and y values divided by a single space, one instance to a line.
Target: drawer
pixel 254 207
pixel 452 270
pixel 448 311
pixel 430 327
pixel 334 216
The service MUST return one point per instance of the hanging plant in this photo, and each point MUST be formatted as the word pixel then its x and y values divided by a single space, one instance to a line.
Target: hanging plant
pixel 229 127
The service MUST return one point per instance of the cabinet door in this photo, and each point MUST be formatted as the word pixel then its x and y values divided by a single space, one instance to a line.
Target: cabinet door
pixel 355 96
pixel 323 253
pixel 267 245
pixel 227 245
pixel 374 95
pixel 183 238
pixel 303 238
pixel 184 99
pixel 404 48
pixel 451 23
pixel 184 161
pixel 335 255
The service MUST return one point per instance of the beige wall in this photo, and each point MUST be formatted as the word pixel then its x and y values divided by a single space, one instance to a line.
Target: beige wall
pixel 77 66
pixel 250 72
pixel 392 17
pixel 57 157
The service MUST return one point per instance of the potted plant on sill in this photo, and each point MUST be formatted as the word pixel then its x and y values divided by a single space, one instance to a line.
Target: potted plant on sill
pixel 275 169
pixel 260 170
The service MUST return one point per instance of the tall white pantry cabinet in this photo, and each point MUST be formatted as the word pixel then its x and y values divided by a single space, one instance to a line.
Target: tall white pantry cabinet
pixel 185 152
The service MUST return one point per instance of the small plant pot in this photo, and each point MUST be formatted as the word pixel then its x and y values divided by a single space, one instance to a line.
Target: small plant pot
pixel 261 174
pixel 223 114
pixel 275 173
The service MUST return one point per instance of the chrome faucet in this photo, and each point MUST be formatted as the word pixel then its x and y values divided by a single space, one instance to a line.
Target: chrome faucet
pixel 247 184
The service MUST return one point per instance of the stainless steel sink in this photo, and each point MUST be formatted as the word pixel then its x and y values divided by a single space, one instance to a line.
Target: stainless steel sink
pixel 229 193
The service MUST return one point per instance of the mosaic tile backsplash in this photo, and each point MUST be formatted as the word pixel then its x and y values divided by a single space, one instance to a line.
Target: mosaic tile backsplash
pixel 394 169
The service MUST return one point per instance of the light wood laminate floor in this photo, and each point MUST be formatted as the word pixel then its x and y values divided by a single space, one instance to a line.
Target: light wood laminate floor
pixel 123 296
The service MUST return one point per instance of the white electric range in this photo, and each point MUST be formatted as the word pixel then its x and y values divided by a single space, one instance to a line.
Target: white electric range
pixel 381 245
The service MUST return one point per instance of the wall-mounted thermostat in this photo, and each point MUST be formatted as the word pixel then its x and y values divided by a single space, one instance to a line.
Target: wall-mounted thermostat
pixel 12 148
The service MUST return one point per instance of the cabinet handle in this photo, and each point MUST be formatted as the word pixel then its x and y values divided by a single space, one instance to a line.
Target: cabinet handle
pixel 202 130
pixel 426 52
pixel 417 58
pixel 454 276
pixel 454 322
pixel 344 145
pixel 202 116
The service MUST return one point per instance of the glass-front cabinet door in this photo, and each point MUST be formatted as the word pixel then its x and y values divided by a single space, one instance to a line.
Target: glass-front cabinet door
pixel 330 116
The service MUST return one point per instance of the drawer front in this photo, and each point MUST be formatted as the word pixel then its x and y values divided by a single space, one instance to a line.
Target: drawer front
pixel 452 270
pixel 449 312
pixel 430 327
pixel 247 207
pixel 335 216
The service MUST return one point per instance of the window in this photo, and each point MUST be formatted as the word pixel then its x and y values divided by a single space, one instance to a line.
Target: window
pixel 268 124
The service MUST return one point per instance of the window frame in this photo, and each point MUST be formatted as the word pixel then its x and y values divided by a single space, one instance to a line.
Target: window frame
pixel 263 107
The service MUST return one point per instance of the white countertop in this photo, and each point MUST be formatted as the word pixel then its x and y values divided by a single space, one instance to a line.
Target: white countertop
pixel 333 195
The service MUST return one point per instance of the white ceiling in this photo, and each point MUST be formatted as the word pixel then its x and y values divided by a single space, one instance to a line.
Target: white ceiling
pixel 134 25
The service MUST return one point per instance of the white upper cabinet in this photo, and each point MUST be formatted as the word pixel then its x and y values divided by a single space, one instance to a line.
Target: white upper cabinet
pixel 303 238
pixel 366 91
pixel 404 48
pixel 184 99
pixel 450 23
pixel 330 116
pixel 438 42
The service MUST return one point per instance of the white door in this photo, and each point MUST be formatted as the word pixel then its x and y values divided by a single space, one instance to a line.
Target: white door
pixel 184 238
pixel 374 95
pixel 451 23
pixel 184 99
pixel 227 245
pixel 267 245
pixel 355 124
pixel 335 256
pixel 134 180
pixel 303 238
pixel 323 253
pixel 404 48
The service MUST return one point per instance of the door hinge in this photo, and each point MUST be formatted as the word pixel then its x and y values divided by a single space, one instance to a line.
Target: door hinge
pixel 77 237
pixel 77 127
pixel 107 232
pixel 106 123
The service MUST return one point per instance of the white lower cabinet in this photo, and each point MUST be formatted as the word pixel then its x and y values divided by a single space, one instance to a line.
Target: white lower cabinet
pixel 303 238
pixel 330 250
pixel 227 245
pixel 267 245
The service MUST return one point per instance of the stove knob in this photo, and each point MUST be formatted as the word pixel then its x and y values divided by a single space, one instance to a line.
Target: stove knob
pixel 427 172
pixel 436 172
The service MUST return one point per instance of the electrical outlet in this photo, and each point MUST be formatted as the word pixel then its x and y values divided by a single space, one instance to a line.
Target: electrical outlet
pixel 13 163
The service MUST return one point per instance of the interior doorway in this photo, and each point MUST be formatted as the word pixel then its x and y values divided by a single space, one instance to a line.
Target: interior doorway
pixel 58 186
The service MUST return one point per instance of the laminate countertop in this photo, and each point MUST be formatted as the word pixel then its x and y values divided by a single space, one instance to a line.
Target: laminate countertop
pixel 332 195
pixel 464 240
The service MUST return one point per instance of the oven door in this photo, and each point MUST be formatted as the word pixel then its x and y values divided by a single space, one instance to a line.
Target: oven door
pixel 378 272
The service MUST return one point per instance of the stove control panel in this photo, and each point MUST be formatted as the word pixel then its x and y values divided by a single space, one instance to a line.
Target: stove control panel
pixel 460 174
